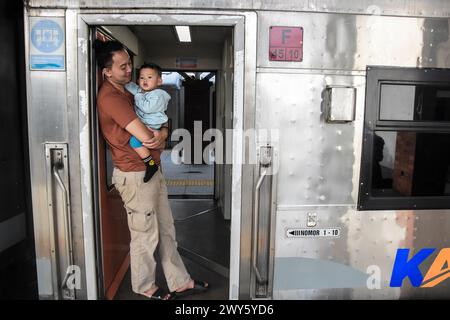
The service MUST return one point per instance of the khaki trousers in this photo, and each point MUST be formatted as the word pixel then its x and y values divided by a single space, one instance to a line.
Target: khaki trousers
pixel 151 223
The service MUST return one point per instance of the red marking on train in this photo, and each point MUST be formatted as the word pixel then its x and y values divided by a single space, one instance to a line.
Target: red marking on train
pixel 286 44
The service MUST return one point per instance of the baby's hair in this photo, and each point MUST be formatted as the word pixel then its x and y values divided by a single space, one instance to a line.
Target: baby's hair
pixel 104 52
pixel 152 66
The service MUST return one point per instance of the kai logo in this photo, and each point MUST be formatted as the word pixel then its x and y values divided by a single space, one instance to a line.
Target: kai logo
pixel 438 272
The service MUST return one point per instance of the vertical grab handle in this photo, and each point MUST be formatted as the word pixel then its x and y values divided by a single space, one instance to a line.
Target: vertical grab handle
pixel 67 219
pixel 60 222
pixel 260 279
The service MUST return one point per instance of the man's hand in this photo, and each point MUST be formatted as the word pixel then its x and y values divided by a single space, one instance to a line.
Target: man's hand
pixel 159 139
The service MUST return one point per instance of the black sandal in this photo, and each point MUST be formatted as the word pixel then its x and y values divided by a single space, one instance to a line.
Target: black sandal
pixel 199 286
pixel 157 295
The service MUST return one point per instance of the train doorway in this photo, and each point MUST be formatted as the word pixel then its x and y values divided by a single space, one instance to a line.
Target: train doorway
pixel 206 91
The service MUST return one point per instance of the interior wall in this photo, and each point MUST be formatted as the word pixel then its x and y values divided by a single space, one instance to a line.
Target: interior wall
pixel 207 57
pixel 129 39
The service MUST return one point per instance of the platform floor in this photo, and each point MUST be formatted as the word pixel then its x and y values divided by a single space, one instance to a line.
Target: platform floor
pixel 187 179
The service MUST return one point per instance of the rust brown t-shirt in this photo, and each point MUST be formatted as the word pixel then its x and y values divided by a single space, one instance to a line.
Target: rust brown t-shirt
pixel 115 112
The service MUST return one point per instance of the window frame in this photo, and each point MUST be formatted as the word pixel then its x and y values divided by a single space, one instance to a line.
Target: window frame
pixel 376 76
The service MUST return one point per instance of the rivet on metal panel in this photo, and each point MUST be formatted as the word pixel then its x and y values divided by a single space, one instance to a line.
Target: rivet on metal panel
pixel 291 173
pixel 338 148
pixel 322 198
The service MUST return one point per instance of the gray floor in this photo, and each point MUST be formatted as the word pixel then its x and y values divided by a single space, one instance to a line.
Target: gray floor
pixel 203 239
pixel 187 179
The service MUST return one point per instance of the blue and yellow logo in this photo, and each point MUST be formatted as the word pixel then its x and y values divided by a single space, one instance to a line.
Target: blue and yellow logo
pixel 438 272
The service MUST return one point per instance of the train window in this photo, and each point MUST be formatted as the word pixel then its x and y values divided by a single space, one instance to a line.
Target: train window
pixel 415 102
pixel 406 145
pixel 410 164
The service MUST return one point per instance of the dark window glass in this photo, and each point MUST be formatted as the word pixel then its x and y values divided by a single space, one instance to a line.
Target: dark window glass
pixel 419 102
pixel 409 164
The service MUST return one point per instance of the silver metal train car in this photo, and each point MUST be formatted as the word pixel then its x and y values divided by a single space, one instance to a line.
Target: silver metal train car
pixel 345 105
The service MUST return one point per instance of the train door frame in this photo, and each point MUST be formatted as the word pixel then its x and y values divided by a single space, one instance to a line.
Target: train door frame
pixel 244 84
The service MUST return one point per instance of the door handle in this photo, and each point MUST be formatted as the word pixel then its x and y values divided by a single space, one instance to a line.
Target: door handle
pixel 67 220
pixel 60 220
pixel 260 279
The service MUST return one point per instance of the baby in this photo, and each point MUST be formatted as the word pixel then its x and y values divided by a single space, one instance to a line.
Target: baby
pixel 150 105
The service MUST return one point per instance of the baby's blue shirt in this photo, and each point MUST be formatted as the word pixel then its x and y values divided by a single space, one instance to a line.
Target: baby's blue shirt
pixel 150 106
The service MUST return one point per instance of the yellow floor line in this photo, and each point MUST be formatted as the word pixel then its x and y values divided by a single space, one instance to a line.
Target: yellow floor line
pixel 185 182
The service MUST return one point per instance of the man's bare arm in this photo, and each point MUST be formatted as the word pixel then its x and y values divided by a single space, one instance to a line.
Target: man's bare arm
pixel 159 139
pixel 139 130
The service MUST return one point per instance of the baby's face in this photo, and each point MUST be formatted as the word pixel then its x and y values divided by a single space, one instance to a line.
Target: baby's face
pixel 149 79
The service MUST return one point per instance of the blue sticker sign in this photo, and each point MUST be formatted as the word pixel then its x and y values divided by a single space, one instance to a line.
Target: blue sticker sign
pixel 47 50
pixel 47 36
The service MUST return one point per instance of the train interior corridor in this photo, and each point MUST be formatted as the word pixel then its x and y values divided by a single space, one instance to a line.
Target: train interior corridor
pixel 198 75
